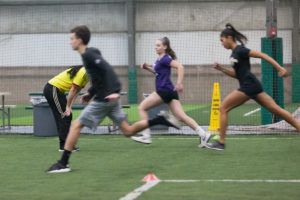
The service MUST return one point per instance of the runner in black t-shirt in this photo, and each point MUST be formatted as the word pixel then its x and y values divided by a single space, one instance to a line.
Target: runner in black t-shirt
pixel 250 87
pixel 103 96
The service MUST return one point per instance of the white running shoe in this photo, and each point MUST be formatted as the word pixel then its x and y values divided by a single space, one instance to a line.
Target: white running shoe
pixel 144 137
pixel 204 140
pixel 169 119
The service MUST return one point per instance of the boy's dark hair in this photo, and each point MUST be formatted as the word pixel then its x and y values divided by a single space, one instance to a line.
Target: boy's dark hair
pixel 73 70
pixel 236 35
pixel 83 33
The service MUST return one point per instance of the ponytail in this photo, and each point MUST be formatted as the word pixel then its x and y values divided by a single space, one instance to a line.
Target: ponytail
pixel 169 50
pixel 172 53
pixel 236 35
pixel 73 70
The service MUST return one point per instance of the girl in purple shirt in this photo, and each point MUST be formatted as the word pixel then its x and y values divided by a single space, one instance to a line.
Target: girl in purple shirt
pixel 166 91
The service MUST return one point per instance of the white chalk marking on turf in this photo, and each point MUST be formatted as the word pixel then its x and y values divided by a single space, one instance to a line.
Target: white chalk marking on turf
pixel 235 181
pixel 251 112
pixel 138 191
pixel 271 138
pixel 147 186
pixel 191 138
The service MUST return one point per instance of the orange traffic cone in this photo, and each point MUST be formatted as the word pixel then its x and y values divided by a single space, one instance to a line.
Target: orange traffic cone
pixel 150 177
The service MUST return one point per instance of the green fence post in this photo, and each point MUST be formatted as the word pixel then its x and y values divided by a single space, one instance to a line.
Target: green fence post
pixel 132 80
pixel 272 84
pixel 132 85
pixel 296 83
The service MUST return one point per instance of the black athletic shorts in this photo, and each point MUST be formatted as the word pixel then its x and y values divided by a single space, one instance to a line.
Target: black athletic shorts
pixel 251 89
pixel 168 96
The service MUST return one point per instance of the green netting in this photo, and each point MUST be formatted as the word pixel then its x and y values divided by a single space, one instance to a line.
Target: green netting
pixel 34 39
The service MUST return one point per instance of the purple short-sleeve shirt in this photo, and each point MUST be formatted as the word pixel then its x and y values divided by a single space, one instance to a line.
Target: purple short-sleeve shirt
pixel 163 73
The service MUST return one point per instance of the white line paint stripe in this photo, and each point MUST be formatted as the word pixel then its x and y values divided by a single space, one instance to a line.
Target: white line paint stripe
pixel 235 181
pixel 251 112
pixel 138 191
pixel 147 186
pixel 273 138
pixel 181 181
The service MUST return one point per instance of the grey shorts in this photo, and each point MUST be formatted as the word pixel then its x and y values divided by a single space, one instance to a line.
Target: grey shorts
pixel 95 112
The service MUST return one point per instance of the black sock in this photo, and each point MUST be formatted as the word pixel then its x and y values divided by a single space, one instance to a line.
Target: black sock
pixel 65 157
pixel 61 145
pixel 155 121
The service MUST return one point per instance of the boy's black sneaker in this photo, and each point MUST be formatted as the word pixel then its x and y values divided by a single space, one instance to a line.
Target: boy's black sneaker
pixel 58 168
pixel 216 146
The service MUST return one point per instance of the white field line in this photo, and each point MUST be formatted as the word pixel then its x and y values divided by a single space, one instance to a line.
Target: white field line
pixel 235 138
pixel 147 186
pixel 251 112
pixel 235 181
pixel 138 191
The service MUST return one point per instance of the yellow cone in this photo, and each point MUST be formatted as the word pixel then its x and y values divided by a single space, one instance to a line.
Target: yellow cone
pixel 214 123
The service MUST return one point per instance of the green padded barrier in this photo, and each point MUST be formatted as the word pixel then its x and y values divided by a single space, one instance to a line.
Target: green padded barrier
pixel 296 83
pixel 132 85
pixel 272 84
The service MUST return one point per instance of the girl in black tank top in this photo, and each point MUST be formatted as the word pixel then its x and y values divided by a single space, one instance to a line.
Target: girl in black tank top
pixel 249 85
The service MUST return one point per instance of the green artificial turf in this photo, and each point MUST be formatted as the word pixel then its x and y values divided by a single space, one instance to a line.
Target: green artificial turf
pixel 109 167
